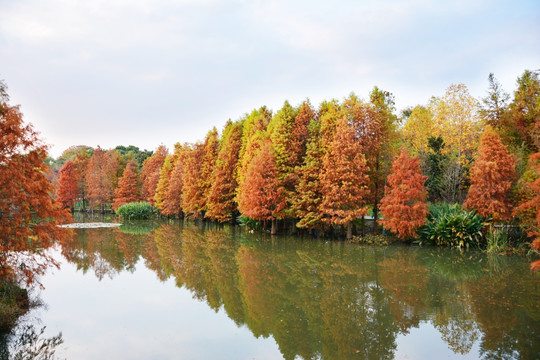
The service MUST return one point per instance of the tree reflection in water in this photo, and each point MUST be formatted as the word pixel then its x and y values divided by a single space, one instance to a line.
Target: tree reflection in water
pixel 26 342
pixel 332 300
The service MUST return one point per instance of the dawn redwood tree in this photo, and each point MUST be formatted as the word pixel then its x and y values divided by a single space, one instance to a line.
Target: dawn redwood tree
pixel 260 196
pixel 29 215
pixel 67 192
pixel 491 178
pixel 129 187
pixel 101 177
pixel 192 194
pixel 150 173
pixel 208 161
pixel 344 179
pixel 308 195
pixel 404 205
pixel 172 204
pixel 221 198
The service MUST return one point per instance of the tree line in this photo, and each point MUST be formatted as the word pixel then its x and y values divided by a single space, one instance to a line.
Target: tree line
pixel 327 167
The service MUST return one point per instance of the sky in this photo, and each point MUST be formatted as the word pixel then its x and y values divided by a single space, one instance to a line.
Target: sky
pixel 146 72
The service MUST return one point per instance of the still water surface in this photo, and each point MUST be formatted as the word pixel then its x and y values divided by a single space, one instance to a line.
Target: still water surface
pixel 171 291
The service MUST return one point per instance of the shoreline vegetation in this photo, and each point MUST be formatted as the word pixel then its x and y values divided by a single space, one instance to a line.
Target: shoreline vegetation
pixel 455 172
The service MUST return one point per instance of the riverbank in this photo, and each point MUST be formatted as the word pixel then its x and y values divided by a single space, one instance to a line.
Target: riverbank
pixel 14 302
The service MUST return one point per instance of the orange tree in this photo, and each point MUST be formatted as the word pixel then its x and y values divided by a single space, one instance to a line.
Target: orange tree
pixel 150 173
pixel 67 192
pixel 343 179
pixel 28 213
pixel 491 178
pixel 129 188
pixel 404 205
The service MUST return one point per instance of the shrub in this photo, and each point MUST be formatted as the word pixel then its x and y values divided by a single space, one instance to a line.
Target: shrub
pixel 135 210
pixel 497 240
pixel 451 225
pixel 250 223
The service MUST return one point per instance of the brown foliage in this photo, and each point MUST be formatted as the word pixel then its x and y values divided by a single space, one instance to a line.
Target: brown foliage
pixel 259 196
pixel 172 204
pixel 129 187
pixel 67 192
pixel 343 179
pixel 491 178
pixel 101 177
pixel 192 195
pixel 28 213
pixel 404 205
pixel 150 173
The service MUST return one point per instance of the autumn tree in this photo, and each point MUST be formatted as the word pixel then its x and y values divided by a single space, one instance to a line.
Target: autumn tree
pixel 529 208
pixel 491 178
pixel 29 215
pixel 172 204
pixel 163 183
pixel 495 105
pixel 80 161
pixel 344 179
pixel 524 112
pixel 129 187
pixel 418 129
pixel 101 177
pixel 192 195
pixel 150 173
pixel 403 206
pixel 208 160
pixel 67 192
pixel 221 198
pixel 307 202
pixel 260 196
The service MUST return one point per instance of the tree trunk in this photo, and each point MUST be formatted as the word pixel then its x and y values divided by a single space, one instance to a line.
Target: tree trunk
pixel 349 230
pixel 273 229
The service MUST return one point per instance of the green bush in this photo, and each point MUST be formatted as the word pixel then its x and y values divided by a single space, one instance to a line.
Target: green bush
pixel 135 210
pixel 497 241
pixel 451 225
pixel 250 223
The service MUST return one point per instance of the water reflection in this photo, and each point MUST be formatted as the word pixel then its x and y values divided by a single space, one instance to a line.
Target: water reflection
pixel 331 300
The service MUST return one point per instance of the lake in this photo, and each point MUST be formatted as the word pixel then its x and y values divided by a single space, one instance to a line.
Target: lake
pixel 198 291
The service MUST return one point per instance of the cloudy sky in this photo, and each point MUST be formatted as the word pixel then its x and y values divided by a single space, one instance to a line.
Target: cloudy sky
pixel 145 72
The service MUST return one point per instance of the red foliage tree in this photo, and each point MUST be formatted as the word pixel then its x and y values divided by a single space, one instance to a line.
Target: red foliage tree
pixel 343 179
pixel 164 179
pixel 68 192
pixel 221 198
pixel 260 195
pixel 100 177
pixel 150 173
pixel 129 186
pixel 491 178
pixel 404 205
pixel 28 213
pixel 172 205
pixel 208 162
pixel 192 195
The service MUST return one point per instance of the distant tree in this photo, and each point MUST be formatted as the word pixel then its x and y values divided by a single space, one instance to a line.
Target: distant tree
pixel 344 179
pixel 67 192
pixel 260 195
pixel 129 186
pixel 134 153
pixel 417 129
pixel 28 213
pixel 491 178
pixel 495 104
pixel 524 112
pixel 101 177
pixel 404 205
pixel 150 173
pixel 221 198
pixel 81 163
pixel 457 121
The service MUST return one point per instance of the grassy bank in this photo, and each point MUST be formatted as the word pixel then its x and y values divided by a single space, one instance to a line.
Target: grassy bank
pixel 14 302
